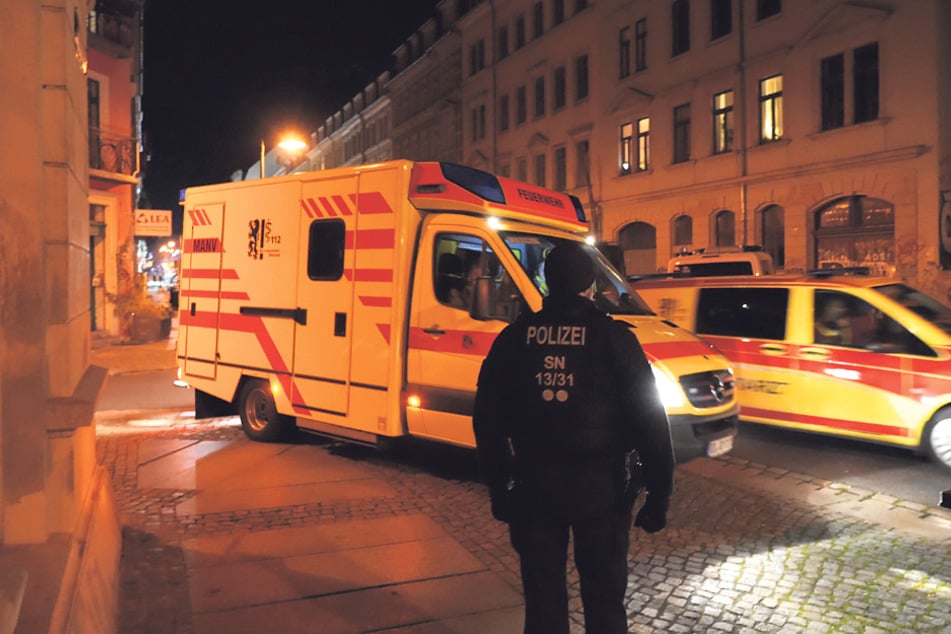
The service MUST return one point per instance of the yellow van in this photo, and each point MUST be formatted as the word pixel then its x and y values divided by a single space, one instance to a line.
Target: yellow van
pixel 863 357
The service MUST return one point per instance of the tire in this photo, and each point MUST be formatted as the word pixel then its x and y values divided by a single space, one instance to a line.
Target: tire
pixel 937 438
pixel 260 419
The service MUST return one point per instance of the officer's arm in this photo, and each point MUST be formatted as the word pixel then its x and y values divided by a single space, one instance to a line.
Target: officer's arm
pixel 647 426
pixel 490 415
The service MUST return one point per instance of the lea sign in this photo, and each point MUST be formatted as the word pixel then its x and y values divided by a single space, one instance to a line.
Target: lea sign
pixel 153 223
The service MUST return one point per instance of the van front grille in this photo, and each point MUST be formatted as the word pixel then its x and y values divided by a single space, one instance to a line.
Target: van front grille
pixel 709 389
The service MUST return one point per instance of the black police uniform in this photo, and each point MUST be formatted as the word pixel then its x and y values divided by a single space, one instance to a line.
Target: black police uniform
pixel 563 395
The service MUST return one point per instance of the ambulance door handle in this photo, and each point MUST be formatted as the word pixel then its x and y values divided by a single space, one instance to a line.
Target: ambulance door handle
pixel 434 331
pixel 773 349
pixel 816 353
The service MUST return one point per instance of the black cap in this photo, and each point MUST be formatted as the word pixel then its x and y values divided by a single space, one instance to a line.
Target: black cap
pixel 569 270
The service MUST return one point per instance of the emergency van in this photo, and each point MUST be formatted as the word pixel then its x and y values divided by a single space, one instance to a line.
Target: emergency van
pixel 359 303
pixel 748 260
pixel 864 357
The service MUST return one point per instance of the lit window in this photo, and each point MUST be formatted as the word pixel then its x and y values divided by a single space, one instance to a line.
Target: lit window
pixel 643 144
pixel 771 108
pixel 723 122
pixel 627 140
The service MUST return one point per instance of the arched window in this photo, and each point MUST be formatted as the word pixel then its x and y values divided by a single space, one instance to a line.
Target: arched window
pixel 725 225
pixel 773 234
pixel 683 232
pixel 638 241
pixel 856 231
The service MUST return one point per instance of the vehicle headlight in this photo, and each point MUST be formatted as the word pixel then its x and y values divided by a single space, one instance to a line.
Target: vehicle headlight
pixel 669 391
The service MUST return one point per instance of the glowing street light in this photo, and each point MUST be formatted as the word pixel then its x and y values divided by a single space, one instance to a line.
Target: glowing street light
pixel 290 144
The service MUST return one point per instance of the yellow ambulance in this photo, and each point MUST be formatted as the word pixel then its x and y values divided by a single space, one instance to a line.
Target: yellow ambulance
pixel 863 357
pixel 340 302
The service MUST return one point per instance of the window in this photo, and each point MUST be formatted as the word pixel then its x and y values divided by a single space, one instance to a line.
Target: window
pixel 503 113
pixel 521 106
pixel 624 52
pixel 478 123
pixel 682 133
pixel 557 12
pixel 771 109
pixel 773 234
pixel 680 27
pixel 865 72
pixel 503 42
pixel 519 32
pixel 538 20
pixel 643 144
pixel 832 89
pixel 683 231
pixel 723 122
pixel 580 5
pixel 721 18
pixel 559 88
pixel 627 148
pixel 540 170
pixel 756 313
pixel 582 156
pixel 522 166
pixel 767 8
pixel 856 231
pixel 640 44
pixel 476 57
pixel 560 177
pixel 725 226
pixel 325 247
pixel 581 78
pixel 539 97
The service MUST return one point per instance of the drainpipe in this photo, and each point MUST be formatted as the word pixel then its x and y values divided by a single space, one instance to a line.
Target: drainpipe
pixel 743 123
pixel 492 96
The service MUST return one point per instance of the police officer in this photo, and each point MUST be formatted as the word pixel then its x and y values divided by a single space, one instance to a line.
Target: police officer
pixel 564 395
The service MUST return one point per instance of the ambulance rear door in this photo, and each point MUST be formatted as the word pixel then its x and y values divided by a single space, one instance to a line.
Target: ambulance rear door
pixel 201 288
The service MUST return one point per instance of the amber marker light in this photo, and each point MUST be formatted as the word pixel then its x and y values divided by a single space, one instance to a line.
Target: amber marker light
pixel 414 401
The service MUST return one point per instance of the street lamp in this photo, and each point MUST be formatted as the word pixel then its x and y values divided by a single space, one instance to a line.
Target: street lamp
pixel 290 144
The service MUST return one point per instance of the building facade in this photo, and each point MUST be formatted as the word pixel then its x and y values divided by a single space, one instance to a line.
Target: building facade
pixel 816 130
pixel 114 90
pixel 58 524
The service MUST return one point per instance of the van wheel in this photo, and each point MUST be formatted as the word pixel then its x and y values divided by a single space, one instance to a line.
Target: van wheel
pixel 938 437
pixel 259 417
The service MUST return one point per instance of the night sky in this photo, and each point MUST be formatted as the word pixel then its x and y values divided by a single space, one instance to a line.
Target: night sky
pixel 219 77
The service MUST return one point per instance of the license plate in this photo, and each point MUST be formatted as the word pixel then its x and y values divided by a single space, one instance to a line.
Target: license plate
pixel 720 446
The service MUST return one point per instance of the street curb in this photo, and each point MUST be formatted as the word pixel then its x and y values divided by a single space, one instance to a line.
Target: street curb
pixel 910 518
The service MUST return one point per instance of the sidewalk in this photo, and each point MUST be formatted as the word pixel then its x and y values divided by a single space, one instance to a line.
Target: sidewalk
pixel 223 534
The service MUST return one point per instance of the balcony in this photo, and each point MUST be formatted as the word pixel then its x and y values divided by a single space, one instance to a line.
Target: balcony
pixel 113 157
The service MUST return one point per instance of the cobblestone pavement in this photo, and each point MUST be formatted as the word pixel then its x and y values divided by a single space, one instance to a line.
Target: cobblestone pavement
pixel 733 559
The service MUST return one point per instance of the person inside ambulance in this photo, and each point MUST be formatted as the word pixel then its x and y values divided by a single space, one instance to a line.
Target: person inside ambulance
pixel 832 322
pixel 449 280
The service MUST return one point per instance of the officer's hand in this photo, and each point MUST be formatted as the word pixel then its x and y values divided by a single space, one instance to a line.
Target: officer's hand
pixel 652 517
pixel 502 498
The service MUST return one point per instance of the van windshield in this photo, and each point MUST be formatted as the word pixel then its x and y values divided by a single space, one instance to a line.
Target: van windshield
pixel 916 301
pixel 613 295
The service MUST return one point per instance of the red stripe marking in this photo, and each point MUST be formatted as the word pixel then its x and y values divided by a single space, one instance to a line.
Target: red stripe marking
pixel 369 275
pixel 454 341
pixel 378 302
pixel 208 245
pixel 385 331
pixel 342 205
pixel 821 421
pixel 370 239
pixel 328 208
pixel 310 207
pixel 216 294
pixel 674 349
pixel 210 274
pixel 371 203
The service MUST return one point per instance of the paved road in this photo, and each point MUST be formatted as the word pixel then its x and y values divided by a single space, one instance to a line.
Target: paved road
pixel 749 549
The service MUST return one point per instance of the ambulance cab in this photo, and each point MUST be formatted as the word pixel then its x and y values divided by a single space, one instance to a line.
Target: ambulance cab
pixel 863 357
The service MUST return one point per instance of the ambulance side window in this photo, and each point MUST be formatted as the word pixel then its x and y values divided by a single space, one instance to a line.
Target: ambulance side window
pixel 460 260
pixel 325 247
pixel 758 313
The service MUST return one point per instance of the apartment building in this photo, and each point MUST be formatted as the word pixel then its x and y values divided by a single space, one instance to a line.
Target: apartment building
pixel 816 130
pixel 113 97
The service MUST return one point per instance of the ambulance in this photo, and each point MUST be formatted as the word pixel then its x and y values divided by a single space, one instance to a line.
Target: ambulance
pixel 828 352
pixel 358 303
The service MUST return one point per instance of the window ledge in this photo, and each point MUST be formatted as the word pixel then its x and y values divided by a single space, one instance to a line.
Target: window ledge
pixel 777 143
pixel 822 134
